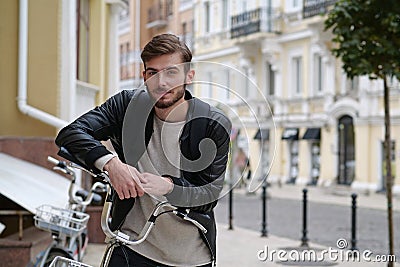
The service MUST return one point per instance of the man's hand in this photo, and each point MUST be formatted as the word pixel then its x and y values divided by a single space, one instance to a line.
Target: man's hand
pixel 125 179
pixel 156 185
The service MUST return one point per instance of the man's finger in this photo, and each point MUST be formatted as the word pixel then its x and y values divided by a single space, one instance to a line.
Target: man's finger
pixel 132 193
pixel 141 179
pixel 138 183
pixel 120 195
pixel 139 189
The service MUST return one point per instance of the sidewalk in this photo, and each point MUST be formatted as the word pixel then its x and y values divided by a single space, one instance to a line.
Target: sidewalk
pixel 240 248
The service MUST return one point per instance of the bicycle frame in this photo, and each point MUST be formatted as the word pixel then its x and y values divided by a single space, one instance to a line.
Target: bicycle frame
pixel 69 242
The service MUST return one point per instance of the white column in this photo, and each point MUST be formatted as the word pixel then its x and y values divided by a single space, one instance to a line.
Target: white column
pixel 113 55
pixel 329 81
pixel 276 67
pixel 67 52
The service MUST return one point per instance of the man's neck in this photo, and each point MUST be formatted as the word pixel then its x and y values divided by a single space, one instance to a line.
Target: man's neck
pixel 174 113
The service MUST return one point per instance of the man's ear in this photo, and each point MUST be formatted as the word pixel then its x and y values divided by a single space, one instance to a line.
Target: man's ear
pixel 144 75
pixel 189 76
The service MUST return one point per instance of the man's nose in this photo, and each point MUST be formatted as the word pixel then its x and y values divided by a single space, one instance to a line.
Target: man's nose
pixel 162 79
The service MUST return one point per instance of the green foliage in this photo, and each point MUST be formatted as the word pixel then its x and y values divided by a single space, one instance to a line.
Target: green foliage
pixel 367 34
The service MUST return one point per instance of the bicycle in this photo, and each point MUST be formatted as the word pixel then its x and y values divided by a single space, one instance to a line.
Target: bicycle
pixel 65 262
pixel 117 237
pixel 66 225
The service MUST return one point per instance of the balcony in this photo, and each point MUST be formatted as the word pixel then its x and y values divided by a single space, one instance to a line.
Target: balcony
pixel 254 21
pixel 158 14
pixel 316 7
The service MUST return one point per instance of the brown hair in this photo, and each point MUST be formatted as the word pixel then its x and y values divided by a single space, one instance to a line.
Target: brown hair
pixel 165 44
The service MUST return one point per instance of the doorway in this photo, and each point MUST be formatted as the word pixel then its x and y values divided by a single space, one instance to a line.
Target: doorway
pixel 346 162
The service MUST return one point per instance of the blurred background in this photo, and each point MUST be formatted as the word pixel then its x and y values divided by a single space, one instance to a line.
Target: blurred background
pixel 303 121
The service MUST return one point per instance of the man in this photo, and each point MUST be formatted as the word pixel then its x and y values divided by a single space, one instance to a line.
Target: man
pixel 157 133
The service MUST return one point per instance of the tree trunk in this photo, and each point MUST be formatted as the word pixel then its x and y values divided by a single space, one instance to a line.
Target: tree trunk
pixel 389 177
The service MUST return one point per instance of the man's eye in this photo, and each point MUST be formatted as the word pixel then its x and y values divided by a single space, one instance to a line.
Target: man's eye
pixel 151 73
pixel 172 72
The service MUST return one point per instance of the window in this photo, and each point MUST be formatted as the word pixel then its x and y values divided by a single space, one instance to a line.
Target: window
pixel 124 14
pixel 224 14
pixel 244 6
pixel 127 60
pixel 121 61
pixel 184 32
pixel 170 8
pixel 352 84
pixel 297 75
pixel 270 80
pixel 207 16
pixel 82 40
pixel 318 74
pixel 294 5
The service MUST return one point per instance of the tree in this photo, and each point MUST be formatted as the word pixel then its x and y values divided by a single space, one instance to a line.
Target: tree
pixel 366 34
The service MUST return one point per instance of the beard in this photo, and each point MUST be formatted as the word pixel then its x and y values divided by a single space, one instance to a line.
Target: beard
pixel 178 94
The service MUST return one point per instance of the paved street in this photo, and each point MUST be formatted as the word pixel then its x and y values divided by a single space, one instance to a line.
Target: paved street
pixel 327 221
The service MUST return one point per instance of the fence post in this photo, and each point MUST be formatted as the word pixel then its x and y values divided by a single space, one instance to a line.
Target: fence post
pixel 230 205
pixel 353 221
pixel 264 231
pixel 304 239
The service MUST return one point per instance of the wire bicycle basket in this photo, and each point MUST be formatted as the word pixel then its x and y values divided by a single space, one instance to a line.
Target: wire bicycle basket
pixel 65 262
pixel 63 221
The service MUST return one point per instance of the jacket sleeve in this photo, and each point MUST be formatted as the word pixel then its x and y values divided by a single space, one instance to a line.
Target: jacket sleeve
pixel 82 137
pixel 200 190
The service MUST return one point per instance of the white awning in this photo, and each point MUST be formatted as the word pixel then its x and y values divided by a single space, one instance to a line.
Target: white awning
pixel 30 185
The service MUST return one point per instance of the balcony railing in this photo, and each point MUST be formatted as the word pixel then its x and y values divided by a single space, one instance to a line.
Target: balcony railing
pixel 316 7
pixel 258 20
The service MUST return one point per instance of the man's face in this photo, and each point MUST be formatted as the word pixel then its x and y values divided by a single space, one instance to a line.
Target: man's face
pixel 165 78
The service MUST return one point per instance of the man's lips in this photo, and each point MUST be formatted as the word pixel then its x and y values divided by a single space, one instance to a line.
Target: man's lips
pixel 161 94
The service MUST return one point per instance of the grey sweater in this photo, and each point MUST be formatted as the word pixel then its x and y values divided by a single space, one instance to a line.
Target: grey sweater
pixel 172 241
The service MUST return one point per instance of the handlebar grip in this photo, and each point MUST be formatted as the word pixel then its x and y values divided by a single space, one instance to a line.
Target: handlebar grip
pixel 56 162
pixel 53 160
pixel 63 152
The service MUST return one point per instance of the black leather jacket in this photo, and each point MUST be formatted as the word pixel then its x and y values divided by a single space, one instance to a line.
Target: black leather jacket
pixel 82 139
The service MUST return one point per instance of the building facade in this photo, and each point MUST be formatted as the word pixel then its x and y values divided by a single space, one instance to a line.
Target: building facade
pixel 58 61
pixel 313 124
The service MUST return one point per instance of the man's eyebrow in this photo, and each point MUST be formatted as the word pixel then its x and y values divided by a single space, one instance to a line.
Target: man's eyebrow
pixel 167 68
pixel 150 68
pixel 172 67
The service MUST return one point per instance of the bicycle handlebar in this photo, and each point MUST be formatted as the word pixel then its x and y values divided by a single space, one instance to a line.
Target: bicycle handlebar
pixel 118 235
pixel 68 169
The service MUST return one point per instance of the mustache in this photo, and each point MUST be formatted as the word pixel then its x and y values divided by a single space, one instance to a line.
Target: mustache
pixel 161 90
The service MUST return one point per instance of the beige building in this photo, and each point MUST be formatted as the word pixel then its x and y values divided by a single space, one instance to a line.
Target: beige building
pixel 59 59
pixel 318 127
pixel 53 68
